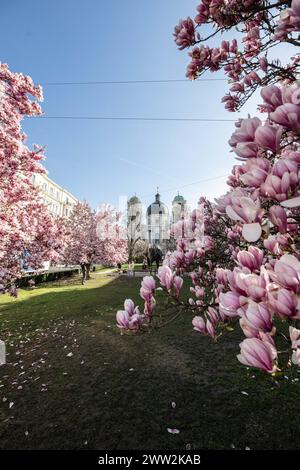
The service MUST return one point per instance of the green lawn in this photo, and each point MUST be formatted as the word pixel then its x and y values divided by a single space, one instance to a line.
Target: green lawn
pixel 72 381
pixel 137 266
pixel 103 269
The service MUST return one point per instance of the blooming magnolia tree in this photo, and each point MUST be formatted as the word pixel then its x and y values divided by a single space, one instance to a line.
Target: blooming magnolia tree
pixel 260 25
pixel 112 235
pixel 93 237
pixel 27 231
pixel 245 269
pixel 137 249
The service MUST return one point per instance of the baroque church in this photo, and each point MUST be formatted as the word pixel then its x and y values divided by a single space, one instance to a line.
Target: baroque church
pixel 154 224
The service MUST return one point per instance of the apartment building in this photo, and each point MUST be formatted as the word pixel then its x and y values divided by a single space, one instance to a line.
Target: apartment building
pixel 59 201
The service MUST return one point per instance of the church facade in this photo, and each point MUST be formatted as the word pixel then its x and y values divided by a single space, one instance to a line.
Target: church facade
pixel 153 225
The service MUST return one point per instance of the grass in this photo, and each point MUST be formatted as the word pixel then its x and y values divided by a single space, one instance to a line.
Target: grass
pixel 103 269
pixel 115 392
pixel 137 266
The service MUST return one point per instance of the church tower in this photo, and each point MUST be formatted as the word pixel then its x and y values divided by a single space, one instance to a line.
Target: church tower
pixel 158 223
pixel 178 208
pixel 134 218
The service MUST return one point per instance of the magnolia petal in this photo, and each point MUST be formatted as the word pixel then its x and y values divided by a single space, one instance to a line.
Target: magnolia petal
pixel 294 202
pixel 232 214
pixel 290 260
pixel 252 232
pixel 249 207
pixel 173 431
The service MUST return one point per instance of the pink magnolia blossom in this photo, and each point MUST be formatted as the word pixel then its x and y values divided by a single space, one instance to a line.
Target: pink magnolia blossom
pixel 288 115
pixel 295 337
pixel 287 272
pixel 146 292
pixel 268 137
pixel 249 212
pixel 263 63
pixel 229 304
pixel 279 187
pixel 242 140
pixel 271 243
pixel 258 353
pixel 199 291
pixel 129 306
pixel 184 33
pixel 210 329
pixel 221 275
pixel 285 165
pixel 147 287
pixel 253 285
pixel 204 327
pixel 227 199
pixel 277 216
pixel 248 329
pixel 125 321
pixel 284 303
pixel 272 97
pixel 245 133
pixel 129 318
pixel 165 276
pixel 213 316
pixel 199 324
pixel 178 282
pixel 251 259
pixel 254 172
pixel 245 150
pixel 259 316
pixel 245 210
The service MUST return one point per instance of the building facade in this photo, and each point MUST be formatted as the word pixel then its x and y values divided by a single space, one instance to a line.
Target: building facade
pixel 59 201
pixel 158 223
pixel 154 224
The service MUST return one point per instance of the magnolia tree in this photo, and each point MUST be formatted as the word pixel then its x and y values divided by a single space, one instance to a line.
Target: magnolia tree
pixel 245 270
pixel 94 237
pixel 112 235
pixel 27 231
pixel 259 25
pixel 137 249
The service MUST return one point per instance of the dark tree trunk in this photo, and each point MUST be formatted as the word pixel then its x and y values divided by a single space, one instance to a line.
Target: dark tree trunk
pixel 88 269
pixel 84 273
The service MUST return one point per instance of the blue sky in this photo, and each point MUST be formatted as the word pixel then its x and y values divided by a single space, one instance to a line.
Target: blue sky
pixel 75 40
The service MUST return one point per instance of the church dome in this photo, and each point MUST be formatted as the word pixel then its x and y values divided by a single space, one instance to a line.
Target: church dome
pixel 178 199
pixel 134 200
pixel 157 207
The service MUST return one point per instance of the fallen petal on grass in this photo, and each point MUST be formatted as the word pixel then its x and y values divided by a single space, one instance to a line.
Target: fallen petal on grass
pixel 173 430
